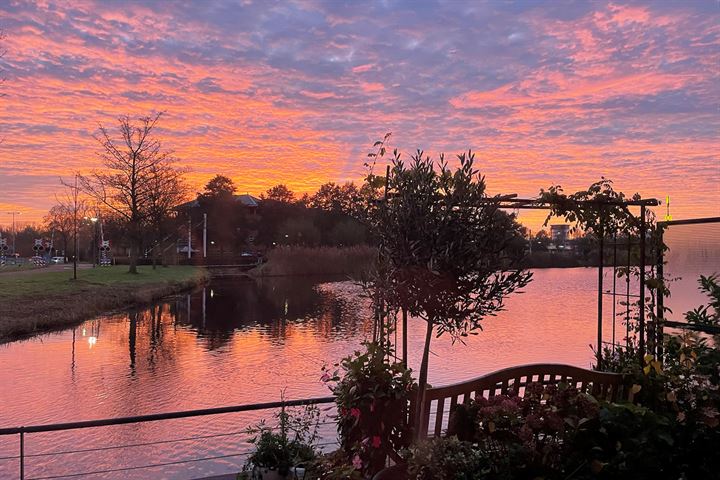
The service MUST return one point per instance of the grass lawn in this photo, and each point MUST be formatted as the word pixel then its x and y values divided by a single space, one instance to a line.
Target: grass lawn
pixel 42 283
pixel 41 300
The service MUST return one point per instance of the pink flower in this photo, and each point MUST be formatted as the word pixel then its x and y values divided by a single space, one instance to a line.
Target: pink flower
pixel 357 462
pixel 376 442
pixel 325 377
pixel 355 412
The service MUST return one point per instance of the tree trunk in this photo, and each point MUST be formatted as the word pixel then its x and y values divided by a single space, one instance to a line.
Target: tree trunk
pixel 422 379
pixel 135 244
pixel 133 256
pixel 404 338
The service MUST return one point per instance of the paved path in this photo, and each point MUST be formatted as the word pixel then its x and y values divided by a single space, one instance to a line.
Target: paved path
pixel 13 270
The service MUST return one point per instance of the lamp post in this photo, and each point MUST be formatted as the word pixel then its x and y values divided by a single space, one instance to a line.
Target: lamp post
pixel 13 213
pixel 94 250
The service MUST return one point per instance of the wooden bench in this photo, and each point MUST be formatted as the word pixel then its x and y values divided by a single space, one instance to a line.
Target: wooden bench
pixel 440 401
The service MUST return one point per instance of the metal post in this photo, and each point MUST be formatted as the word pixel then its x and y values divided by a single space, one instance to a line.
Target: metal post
pixel 204 235
pixel 661 297
pixel 614 313
pixel 627 293
pixel 22 455
pixel 95 249
pixel 404 338
pixel 601 235
pixel 189 238
pixel 14 232
pixel 641 318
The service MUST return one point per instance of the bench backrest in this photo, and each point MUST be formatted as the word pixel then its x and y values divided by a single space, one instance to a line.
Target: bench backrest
pixel 440 401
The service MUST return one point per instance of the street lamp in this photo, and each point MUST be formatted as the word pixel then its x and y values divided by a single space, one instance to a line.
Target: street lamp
pixel 94 253
pixel 13 227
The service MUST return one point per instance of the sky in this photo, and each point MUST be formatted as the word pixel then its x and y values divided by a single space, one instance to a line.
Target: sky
pixel 554 92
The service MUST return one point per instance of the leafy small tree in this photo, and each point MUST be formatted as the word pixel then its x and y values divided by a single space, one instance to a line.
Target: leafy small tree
pixel 443 240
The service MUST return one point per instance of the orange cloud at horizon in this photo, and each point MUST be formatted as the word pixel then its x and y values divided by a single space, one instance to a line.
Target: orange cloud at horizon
pixel 297 93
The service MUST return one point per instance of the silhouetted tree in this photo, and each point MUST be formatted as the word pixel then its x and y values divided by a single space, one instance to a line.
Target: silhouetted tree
pixel 75 203
pixel 168 189
pixel 126 185
pixel 60 222
pixel 219 187
pixel 224 216
pixel 348 232
pixel 279 193
pixel 337 199
pixel 299 231
pixel 541 240
pixel 327 198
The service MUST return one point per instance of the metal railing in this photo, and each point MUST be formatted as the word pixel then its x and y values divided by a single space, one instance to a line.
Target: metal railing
pixel 24 431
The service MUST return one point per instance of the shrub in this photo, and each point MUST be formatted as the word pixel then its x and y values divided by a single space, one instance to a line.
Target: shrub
pixel 372 397
pixel 293 260
pixel 559 432
pixel 528 434
pixel 447 459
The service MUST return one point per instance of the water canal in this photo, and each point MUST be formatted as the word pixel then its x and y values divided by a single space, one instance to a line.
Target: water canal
pixel 240 341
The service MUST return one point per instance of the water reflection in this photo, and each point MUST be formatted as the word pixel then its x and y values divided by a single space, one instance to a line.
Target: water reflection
pixel 218 311
pixel 239 341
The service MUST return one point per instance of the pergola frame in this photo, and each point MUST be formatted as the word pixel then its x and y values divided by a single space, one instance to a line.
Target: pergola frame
pixel 511 201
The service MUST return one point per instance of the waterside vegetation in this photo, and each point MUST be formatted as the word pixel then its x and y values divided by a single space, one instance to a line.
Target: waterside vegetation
pixel 298 260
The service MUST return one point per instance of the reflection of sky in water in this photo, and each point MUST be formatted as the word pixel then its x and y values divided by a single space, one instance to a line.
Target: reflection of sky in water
pixel 239 342
pixel 694 250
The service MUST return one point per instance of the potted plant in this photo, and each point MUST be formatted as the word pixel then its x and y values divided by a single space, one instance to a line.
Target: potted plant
pixel 286 451
pixel 372 394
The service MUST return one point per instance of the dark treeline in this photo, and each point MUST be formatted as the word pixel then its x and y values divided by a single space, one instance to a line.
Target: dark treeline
pixel 332 216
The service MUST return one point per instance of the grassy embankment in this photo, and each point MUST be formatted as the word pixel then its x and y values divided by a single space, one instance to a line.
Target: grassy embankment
pixel 40 300
pixel 317 261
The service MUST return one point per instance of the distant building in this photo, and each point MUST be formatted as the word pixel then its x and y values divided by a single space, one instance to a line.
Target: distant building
pixel 245 200
pixel 215 246
pixel 559 234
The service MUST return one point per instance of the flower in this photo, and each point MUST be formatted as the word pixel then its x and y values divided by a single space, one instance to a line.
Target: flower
pixel 355 412
pixel 325 377
pixel 376 442
pixel 357 462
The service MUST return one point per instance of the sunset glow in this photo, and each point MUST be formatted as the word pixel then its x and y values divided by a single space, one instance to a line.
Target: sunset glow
pixel 297 92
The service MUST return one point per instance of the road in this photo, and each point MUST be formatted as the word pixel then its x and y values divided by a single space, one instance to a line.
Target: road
pixel 12 270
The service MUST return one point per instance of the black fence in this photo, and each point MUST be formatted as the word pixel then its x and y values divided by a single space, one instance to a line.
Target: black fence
pixel 24 432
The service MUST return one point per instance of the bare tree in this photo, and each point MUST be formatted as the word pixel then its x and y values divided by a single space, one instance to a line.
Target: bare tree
pixel 134 166
pixel 168 190
pixel 59 220
pixel 74 206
